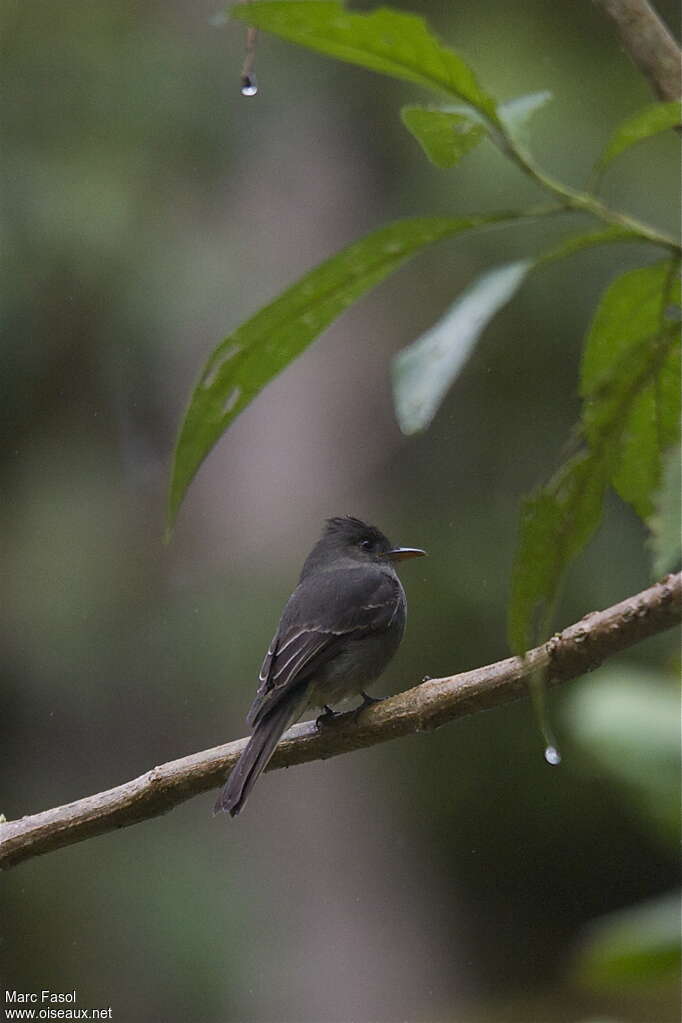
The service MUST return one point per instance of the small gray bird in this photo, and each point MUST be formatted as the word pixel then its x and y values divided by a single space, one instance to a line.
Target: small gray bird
pixel 339 629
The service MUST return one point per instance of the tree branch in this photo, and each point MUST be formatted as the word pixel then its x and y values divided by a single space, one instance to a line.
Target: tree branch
pixel 649 43
pixel 571 653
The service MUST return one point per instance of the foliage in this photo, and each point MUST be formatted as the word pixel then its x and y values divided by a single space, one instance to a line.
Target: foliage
pixel 631 362
pixel 383 40
pixel 423 372
pixel 260 348
pixel 652 119
pixel 630 387
pixel 444 135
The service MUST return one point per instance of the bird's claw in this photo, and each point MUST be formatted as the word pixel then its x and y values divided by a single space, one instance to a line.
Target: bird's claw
pixel 325 719
pixel 367 701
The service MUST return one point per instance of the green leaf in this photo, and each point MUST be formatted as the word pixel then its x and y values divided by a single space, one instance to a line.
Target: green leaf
pixel 516 113
pixel 578 242
pixel 633 948
pixel 629 312
pixel 259 349
pixel 630 385
pixel 630 381
pixel 649 427
pixel 445 137
pixel 664 523
pixel 555 524
pixel 425 370
pixel 651 120
pixel 382 40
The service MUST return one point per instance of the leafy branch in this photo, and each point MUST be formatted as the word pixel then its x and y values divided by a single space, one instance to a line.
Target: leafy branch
pixel 241 365
pixel 401 46
pixel 631 413
pixel 559 519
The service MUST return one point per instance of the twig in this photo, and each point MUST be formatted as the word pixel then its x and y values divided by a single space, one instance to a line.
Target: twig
pixel 649 43
pixel 658 56
pixel 571 653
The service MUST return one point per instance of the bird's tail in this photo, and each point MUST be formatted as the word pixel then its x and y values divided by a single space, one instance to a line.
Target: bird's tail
pixel 257 754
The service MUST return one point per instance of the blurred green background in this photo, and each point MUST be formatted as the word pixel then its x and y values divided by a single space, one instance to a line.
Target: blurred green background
pixel 147 208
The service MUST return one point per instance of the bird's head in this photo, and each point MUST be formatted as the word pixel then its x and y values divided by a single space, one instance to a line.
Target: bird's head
pixel 347 538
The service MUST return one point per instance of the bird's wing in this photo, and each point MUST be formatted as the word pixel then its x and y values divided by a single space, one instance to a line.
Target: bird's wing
pixel 321 613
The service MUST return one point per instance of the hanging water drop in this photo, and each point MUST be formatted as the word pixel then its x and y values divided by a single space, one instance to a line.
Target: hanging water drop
pixel 249 85
pixel 552 755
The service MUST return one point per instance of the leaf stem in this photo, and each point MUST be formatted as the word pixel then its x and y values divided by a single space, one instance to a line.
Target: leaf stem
pixel 573 199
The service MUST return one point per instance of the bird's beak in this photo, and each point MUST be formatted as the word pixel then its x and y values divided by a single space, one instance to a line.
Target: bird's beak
pixel 403 553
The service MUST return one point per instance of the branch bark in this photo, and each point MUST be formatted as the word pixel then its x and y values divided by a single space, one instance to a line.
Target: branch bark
pixel 649 43
pixel 571 653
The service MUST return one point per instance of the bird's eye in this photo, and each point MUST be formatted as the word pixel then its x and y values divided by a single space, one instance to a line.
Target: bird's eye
pixel 366 543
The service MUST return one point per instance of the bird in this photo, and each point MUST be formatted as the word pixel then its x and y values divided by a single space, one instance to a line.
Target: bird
pixel 338 631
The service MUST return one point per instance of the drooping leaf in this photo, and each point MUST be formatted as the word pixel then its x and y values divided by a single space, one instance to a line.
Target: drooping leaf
pixel 629 312
pixel 425 370
pixel 651 120
pixel 631 412
pixel 516 113
pixel 555 524
pixel 383 40
pixel 650 427
pixel 445 137
pixel 260 348
pixel 630 381
pixel 665 522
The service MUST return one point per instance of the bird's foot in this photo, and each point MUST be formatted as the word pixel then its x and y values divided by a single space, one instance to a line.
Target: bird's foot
pixel 326 718
pixel 367 701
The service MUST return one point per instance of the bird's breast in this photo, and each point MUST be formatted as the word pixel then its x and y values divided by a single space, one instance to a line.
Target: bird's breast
pixel 359 663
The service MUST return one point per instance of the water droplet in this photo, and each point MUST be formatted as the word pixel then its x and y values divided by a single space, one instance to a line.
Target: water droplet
pixel 249 85
pixel 552 755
